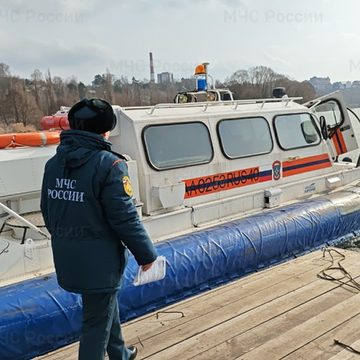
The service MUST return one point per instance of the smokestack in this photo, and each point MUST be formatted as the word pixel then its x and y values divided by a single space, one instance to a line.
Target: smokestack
pixel 152 74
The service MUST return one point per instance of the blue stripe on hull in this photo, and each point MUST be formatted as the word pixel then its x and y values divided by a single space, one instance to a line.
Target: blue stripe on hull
pixel 300 166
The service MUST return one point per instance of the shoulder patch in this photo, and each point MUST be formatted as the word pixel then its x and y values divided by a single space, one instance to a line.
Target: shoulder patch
pixel 127 185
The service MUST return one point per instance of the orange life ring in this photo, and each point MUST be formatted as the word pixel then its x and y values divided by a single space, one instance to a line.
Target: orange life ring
pixel 39 138
pixel 6 140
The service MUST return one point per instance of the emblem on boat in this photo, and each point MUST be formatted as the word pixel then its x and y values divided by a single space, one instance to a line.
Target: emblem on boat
pixel 276 168
pixel 127 186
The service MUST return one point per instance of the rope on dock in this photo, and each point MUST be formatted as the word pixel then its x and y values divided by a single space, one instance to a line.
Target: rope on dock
pixel 346 278
pixel 347 347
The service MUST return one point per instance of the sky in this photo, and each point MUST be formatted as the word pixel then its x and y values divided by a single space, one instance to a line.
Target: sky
pixel 82 38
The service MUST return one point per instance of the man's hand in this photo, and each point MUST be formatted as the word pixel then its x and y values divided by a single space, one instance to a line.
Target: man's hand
pixel 146 267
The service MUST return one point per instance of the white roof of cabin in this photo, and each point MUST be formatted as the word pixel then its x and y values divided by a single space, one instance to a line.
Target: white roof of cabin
pixel 197 110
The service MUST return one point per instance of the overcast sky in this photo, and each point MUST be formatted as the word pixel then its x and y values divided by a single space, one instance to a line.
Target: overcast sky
pixel 85 37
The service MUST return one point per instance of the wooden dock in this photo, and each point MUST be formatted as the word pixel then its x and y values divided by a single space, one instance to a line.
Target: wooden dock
pixel 285 312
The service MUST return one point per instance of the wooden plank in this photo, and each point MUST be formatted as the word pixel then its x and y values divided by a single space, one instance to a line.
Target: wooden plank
pixel 323 347
pixel 186 331
pixel 300 335
pixel 195 327
pixel 219 298
pixel 66 353
pixel 348 354
pixel 244 331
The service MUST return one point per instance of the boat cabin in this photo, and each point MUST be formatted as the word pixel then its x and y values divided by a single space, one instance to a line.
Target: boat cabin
pixel 199 163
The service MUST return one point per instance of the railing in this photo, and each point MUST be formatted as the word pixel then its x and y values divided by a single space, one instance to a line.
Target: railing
pixel 27 224
pixel 235 103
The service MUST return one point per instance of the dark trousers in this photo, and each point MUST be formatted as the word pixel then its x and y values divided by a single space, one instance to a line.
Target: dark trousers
pixel 101 331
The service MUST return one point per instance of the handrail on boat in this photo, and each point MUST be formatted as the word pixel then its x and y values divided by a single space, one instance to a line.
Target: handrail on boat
pixel 24 221
pixel 236 103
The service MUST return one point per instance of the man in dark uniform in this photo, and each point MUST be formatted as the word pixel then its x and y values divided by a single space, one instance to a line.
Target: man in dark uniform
pixel 88 209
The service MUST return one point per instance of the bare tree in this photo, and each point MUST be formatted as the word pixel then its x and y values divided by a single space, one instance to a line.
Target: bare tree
pixel 4 70
pixel 239 77
pixel 50 94
pixel 37 80
pixel 4 93
pixel 71 91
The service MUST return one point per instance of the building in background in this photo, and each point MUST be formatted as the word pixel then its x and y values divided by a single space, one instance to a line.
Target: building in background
pixel 165 78
pixel 322 85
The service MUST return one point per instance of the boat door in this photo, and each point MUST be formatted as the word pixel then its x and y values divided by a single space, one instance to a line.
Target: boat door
pixel 334 122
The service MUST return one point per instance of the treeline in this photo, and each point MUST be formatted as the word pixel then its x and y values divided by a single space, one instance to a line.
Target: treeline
pixel 259 82
pixel 24 101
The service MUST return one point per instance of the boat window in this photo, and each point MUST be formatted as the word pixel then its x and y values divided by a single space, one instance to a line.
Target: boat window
pixel 245 137
pixel 296 131
pixel 177 145
pixel 330 110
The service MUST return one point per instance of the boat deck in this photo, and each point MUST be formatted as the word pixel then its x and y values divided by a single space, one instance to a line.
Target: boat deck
pixel 284 312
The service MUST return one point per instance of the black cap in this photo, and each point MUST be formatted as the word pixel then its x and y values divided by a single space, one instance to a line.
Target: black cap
pixel 94 115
